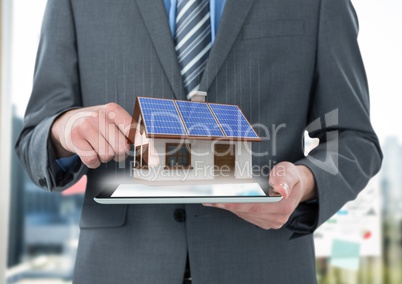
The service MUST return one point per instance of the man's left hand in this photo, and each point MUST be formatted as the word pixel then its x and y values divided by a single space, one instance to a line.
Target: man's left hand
pixel 295 183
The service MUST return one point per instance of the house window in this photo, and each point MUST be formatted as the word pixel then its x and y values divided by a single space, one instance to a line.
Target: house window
pixel 178 155
pixel 141 156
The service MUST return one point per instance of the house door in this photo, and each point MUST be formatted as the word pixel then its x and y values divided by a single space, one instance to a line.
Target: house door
pixel 224 160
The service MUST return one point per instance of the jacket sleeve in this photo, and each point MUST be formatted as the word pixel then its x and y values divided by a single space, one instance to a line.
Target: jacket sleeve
pixel 56 89
pixel 349 153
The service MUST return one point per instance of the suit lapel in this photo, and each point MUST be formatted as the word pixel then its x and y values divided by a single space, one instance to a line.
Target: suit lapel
pixel 155 17
pixel 156 21
pixel 233 17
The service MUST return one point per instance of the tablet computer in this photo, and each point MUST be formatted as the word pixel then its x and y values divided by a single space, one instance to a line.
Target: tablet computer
pixel 185 194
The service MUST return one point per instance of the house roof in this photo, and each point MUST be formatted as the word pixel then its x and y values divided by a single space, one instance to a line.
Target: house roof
pixel 166 118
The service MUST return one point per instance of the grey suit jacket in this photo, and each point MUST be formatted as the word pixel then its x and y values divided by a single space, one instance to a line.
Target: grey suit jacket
pixel 289 64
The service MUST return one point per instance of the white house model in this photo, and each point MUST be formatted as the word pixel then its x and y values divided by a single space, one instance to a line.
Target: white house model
pixel 191 140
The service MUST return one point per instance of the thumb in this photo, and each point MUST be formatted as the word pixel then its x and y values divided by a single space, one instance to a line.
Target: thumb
pixel 283 177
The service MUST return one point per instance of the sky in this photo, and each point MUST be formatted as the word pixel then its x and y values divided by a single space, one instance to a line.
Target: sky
pixel 380 42
pixel 381 46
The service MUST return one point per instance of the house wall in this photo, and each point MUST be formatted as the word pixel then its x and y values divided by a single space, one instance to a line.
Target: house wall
pixel 202 160
pixel 141 139
pixel 243 164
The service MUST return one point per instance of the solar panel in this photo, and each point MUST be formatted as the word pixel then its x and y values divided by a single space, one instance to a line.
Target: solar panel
pixel 233 121
pixel 199 119
pixel 161 117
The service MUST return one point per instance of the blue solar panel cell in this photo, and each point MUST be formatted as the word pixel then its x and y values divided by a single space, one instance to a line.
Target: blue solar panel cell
pixel 233 121
pixel 199 119
pixel 161 117
pixel 182 118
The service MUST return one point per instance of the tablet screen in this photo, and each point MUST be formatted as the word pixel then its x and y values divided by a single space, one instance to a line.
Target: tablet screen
pixel 235 189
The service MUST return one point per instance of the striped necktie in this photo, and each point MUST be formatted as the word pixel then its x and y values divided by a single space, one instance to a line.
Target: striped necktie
pixel 192 40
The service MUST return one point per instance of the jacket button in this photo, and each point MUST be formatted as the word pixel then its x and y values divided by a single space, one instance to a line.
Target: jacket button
pixel 42 182
pixel 180 215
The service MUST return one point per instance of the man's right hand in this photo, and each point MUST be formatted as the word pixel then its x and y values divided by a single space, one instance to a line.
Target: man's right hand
pixel 96 134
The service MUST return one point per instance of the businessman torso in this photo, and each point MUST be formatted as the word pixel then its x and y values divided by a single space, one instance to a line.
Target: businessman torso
pixel 262 60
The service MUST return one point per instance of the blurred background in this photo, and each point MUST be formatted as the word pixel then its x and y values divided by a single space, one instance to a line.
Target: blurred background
pixel 39 231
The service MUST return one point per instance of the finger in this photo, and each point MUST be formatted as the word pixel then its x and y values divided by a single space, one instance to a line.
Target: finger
pixel 94 133
pixel 283 207
pixel 244 208
pixel 112 143
pixel 283 177
pixel 264 223
pixel 264 220
pixel 118 142
pixel 273 193
pixel 266 216
pixel 79 144
pixel 102 148
pixel 120 117
pixel 87 154
pixel 71 129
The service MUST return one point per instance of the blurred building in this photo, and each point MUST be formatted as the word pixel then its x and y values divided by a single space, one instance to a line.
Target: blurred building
pixel 16 225
pixel 43 225
pixel 391 179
